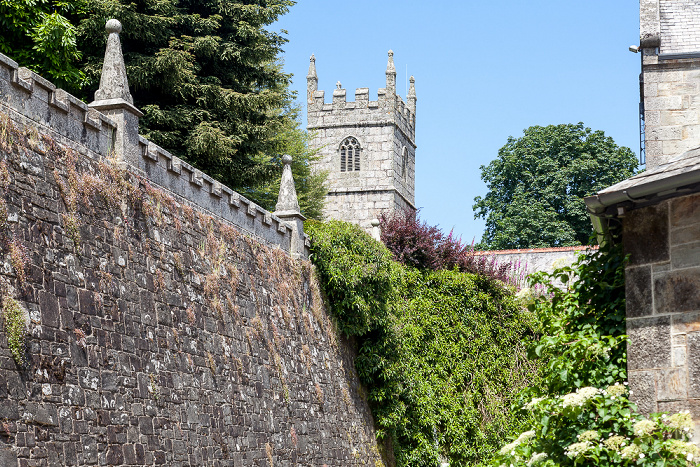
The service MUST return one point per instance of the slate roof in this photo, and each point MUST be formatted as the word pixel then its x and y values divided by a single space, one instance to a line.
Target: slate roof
pixel 679 176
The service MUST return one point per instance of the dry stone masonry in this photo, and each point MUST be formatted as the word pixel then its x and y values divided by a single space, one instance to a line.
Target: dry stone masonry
pixel 366 147
pixel 166 320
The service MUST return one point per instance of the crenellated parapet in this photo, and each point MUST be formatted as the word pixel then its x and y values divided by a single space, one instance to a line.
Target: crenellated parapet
pixel 388 109
pixel 29 98
pixel 108 127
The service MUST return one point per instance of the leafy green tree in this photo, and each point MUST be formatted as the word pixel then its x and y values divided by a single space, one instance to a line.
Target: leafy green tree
pixel 37 34
pixel 538 181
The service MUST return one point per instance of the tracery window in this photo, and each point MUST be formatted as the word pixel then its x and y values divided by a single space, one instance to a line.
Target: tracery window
pixel 350 155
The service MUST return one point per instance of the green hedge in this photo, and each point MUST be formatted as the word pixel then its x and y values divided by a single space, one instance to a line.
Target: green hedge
pixel 441 353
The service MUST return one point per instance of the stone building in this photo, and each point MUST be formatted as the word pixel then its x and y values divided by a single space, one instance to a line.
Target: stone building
pixel 670 47
pixel 659 212
pixel 367 148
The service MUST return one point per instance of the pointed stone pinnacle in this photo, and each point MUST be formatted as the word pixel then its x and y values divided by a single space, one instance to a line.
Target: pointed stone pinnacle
pixel 287 202
pixel 412 88
pixel 390 66
pixel 113 82
pixel 312 67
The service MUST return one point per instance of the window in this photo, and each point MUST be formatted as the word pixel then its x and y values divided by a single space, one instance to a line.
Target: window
pixel 350 155
pixel 404 161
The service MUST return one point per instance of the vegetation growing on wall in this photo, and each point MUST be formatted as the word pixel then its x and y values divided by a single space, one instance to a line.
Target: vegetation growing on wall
pixel 440 352
pixel 15 329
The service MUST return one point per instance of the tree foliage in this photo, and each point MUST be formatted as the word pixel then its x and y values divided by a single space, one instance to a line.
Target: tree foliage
pixel 37 34
pixel 538 181
pixel 416 244
pixel 440 352
pixel 207 75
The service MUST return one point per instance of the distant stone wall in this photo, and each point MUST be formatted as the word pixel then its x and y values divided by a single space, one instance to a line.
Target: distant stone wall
pixel 167 322
pixel 663 305
pixel 529 260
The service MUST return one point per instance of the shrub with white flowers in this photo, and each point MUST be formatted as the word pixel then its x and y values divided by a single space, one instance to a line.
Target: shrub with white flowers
pixel 600 426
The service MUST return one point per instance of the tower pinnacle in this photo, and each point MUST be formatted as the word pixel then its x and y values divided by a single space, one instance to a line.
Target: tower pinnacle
pixel 391 74
pixel 411 98
pixel 311 80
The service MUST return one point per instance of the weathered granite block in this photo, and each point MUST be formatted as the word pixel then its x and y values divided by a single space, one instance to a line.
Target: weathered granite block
pixel 644 393
pixel 649 343
pixel 645 235
pixel 638 294
pixel 677 291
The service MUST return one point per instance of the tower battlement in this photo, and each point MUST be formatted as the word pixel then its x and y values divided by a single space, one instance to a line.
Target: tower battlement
pixel 388 109
pixel 366 147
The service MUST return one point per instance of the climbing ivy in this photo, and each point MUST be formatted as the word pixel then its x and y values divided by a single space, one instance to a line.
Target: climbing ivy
pixel 440 352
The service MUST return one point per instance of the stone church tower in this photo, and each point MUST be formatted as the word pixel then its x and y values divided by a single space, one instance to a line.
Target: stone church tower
pixel 367 147
pixel 670 79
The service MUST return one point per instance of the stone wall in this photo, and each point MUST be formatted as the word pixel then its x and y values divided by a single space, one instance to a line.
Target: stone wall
pixel 670 40
pixel 679 26
pixel 166 324
pixel 663 305
pixel 529 260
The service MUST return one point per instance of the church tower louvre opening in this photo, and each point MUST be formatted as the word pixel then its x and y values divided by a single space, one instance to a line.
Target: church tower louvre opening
pixel 367 148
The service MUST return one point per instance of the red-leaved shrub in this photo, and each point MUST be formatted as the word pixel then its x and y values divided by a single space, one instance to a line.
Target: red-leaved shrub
pixel 414 243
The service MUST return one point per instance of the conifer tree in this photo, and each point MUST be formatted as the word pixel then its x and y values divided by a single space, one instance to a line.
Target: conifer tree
pixel 205 74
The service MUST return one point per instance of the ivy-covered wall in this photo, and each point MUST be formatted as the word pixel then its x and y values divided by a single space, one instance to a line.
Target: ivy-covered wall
pixel 139 330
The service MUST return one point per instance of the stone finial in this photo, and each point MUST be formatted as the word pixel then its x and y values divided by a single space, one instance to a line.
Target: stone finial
pixel 287 208
pixel 113 82
pixel 412 96
pixel 287 202
pixel 376 231
pixel 114 99
pixel 338 85
pixel 311 80
pixel 390 65
pixel 312 68
pixel 391 74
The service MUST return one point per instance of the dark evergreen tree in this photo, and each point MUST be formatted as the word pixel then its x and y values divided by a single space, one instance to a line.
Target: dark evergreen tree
pixel 205 74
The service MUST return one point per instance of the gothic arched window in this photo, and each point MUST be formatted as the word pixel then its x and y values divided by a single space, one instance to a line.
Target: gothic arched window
pixel 350 155
pixel 404 161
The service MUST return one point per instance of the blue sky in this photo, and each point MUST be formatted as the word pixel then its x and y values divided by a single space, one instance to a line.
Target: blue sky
pixel 484 70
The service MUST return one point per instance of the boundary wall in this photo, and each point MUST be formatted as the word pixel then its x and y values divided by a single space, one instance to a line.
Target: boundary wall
pixel 34 99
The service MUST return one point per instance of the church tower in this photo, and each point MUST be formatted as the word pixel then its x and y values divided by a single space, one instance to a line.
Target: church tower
pixel 367 148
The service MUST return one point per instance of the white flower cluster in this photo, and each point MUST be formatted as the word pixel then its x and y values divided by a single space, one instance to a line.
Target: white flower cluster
pixel 644 427
pixel 632 452
pixel 534 402
pixel 590 435
pixel 578 449
pixel 537 458
pixel 523 438
pixel 616 390
pixel 579 398
pixel 680 421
